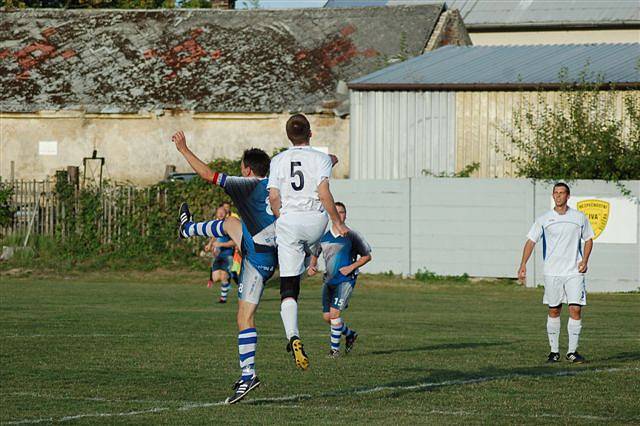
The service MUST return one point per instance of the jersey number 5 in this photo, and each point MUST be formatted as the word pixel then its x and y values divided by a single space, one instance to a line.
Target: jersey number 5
pixel 297 173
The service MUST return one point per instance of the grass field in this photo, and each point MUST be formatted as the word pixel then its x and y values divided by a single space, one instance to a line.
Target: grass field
pixel 152 348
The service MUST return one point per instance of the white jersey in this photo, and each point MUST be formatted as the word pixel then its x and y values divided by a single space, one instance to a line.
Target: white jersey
pixel 561 236
pixel 297 172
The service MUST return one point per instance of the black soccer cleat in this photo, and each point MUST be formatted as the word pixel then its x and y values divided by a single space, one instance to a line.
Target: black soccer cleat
pixel 299 356
pixel 334 353
pixel 575 357
pixel 553 357
pixel 350 339
pixel 241 389
pixel 185 217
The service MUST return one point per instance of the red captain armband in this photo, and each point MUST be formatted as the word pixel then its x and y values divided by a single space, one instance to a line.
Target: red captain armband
pixel 219 179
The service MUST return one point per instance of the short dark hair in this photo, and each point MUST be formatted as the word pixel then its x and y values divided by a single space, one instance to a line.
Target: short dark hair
pixel 257 160
pixel 341 204
pixel 298 129
pixel 563 185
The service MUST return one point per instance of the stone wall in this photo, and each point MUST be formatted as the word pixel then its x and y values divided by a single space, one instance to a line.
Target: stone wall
pixel 137 147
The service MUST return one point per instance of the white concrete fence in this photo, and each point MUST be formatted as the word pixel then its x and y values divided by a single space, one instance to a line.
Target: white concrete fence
pixel 452 226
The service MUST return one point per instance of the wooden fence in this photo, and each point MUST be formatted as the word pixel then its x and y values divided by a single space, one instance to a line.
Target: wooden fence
pixel 38 209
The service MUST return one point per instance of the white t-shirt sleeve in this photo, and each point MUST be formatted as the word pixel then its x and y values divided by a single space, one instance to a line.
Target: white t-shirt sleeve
pixel 587 230
pixel 274 174
pixel 535 232
pixel 324 167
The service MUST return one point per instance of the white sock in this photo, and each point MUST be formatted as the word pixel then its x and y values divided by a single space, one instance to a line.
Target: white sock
pixel 574 327
pixel 289 314
pixel 553 332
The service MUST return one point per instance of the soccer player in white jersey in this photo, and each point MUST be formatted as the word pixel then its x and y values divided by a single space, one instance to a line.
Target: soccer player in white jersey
pixel 561 230
pixel 300 198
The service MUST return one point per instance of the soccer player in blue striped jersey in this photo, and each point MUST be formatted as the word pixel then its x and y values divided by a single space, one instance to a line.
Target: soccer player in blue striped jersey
pixel 222 249
pixel 343 256
pixel 255 235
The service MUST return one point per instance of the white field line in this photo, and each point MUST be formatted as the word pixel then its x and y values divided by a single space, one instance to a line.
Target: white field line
pixel 100 399
pixel 188 406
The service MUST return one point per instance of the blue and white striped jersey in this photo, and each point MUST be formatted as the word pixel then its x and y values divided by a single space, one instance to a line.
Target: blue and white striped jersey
pixel 339 252
pixel 251 198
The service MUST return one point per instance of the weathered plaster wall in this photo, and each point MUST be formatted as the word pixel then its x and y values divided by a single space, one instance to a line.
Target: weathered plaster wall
pixel 137 148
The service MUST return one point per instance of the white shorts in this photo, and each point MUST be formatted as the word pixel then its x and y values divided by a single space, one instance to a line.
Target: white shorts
pixel 570 290
pixel 295 233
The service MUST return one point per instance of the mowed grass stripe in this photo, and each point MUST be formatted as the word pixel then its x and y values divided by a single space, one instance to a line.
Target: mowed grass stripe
pixel 136 343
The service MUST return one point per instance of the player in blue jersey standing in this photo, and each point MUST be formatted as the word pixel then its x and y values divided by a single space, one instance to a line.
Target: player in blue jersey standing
pixel 255 235
pixel 343 256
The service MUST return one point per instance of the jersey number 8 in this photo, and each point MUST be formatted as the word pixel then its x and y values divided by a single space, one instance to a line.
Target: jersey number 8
pixel 297 173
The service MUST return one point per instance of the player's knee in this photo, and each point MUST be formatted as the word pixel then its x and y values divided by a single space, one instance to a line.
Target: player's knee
pixel 575 311
pixel 289 287
pixel 554 311
pixel 334 315
pixel 326 317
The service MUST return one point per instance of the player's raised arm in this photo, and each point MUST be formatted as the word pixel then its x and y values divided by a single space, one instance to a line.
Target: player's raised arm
pixel 196 164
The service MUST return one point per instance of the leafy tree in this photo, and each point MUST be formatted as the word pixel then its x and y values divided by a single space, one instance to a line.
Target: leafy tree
pixel 578 137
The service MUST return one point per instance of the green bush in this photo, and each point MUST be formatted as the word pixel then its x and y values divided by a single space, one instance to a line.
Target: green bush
pixel 6 212
pixel 120 226
pixel 577 137
pixel 426 275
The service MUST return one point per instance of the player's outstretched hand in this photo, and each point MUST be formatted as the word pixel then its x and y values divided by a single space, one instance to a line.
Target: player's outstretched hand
pixel 180 140
pixel 341 229
pixel 522 274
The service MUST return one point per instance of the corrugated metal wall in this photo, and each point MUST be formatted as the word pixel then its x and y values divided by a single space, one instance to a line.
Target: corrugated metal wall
pixel 399 134
pixel 480 115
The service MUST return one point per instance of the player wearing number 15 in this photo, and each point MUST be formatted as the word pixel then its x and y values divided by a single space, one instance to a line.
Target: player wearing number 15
pixel 343 256
pixel 300 198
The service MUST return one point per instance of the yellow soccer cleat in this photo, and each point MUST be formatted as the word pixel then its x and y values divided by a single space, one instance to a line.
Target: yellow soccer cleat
pixel 299 356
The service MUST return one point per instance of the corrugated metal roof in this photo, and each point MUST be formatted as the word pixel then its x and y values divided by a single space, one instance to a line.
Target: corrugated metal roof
pixel 490 13
pixel 512 65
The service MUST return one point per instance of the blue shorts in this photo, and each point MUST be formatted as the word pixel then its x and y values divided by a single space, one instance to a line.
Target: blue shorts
pixel 337 295
pixel 222 263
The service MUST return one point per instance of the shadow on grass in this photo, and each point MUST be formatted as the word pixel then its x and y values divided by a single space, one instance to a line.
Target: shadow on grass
pixel 443 346
pixel 624 356
pixel 441 378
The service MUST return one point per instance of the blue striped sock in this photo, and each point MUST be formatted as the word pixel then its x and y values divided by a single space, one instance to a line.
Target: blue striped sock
pixel 224 290
pixel 247 341
pixel 336 333
pixel 212 228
